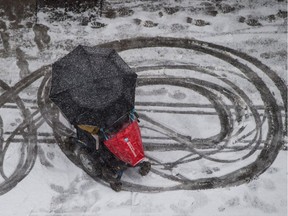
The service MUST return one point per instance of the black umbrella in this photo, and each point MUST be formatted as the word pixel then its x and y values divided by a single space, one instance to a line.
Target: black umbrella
pixel 93 86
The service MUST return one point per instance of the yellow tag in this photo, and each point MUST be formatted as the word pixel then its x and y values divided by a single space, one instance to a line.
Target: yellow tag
pixel 89 128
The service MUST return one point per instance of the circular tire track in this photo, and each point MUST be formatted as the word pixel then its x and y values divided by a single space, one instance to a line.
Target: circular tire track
pixel 28 129
pixel 198 148
pixel 236 99
pixel 273 142
pixel 28 151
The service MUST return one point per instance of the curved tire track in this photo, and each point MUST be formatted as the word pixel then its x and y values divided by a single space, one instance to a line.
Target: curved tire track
pixel 275 128
pixel 235 94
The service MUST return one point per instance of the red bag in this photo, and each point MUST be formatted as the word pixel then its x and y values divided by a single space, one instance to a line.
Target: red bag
pixel 127 144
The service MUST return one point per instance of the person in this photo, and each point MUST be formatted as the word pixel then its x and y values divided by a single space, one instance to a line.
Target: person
pixel 90 143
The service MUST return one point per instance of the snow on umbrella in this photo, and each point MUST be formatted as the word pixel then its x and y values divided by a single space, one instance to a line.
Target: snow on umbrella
pixel 93 86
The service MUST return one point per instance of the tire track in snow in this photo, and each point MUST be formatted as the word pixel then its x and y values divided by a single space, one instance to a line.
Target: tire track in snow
pixel 28 150
pixel 274 139
pixel 196 148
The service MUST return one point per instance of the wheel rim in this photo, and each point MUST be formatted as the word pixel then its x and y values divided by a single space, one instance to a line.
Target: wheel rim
pixel 86 162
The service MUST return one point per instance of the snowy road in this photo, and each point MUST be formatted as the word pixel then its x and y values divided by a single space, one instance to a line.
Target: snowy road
pixel 254 143
pixel 212 101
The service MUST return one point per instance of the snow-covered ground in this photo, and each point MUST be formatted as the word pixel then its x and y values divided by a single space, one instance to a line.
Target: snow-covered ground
pixel 213 116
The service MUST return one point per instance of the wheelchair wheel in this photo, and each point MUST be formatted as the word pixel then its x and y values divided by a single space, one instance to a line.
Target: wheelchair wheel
pixel 88 163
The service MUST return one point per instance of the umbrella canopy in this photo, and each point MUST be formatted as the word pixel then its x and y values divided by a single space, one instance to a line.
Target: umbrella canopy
pixel 93 86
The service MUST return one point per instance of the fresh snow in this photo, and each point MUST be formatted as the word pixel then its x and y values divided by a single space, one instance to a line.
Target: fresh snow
pixel 55 186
